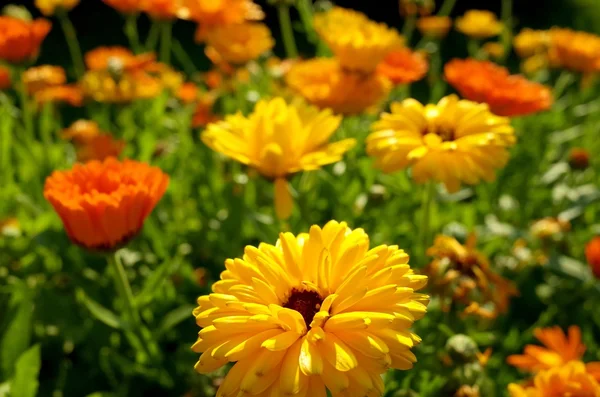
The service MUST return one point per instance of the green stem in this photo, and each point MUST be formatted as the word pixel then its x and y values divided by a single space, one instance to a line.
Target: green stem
pixel 152 39
pixel 131 31
pixel 306 11
pixel 183 58
pixel 409 27
pixel 285 23
pixel 166 36
pixel 25 103
pixel 473 48
pixel 425 227
pixel 507 6
pixel 446 8
pixel 72 42
pixel 124 290
pixel 437 83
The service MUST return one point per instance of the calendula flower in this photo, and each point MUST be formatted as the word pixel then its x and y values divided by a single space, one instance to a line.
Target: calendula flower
pixel 453 142
pixel 81 131
pixel 434 26
pixel 162 9
pixel 39 77
pixel 324 83
pixel 187 93
pixel 10 227
pixel 240 43
pixel 549 227
pixel 20 40
pixel 49 7
pixel 577 51
pixel 534 63
pixel 559 349
pixel 592 254
pixel 357 42
pixel 479 24
pixel 203 113
pixel 5 81
pixel 464 275
pixel 70 94
pixel 125 6
pixel 506 94
pixel 104 204
pixel 102 86
pixel 569 380
pixel 315 312
pixel 411 7
pixel 99 147
pixel 493 50
pixel 530 42
pixel 168 77
pixel 403 66
pixel 279 139
pixel 215 13
pixel 117 59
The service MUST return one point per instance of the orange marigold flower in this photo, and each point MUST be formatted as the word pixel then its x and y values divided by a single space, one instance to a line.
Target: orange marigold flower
pixel 579 158
pixel 434 26
pixel 479 24
pixel 100 147
pixel 81 131
pixel 577 51
pixel 486 82
pixel 203 114
pixel 117 58
pixel 324 83
pixel 69 94
pixel 187 93
pixel 493 50
pixel 559 350
pixel 102 86
pixel 530 42
pixel 572 379
pixel 20 40
pixel 104 204
pixel 125 6
pixel 168 77
pixel 213 79
pixel 39 77
pixel 592 254
pixel 48 7
pixel 403 66
pixel 162 9
pixel 240 43
pixel 5 82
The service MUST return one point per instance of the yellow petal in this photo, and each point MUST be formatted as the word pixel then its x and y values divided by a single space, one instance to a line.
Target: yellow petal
pixel 292 380
pixel 284 203
pixel 311 362
pixel 337 353
pixel 281 341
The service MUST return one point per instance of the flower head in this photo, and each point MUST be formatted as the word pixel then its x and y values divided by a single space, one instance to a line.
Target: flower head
pixel 5 81
pixel 102 86
pixel 20 40
pixel 324 83
pixel 465 275
pixel 162 9
pixel 493 50
pixel 559 350
pixel 403 66
pixel 358 43
pixel 479 24
pixel 569 380
pixel 48 7
pixel 592 254
pixel 579 158
pixel 506 95
pixel 549 227
pixel 117 59
pixel 81 131
pixel 577 51
pixel 315 311
pixel 104 204
pixel 203 113
pixel 530 42
pixel 188 92
pixel 453 142
pixel 215 13
pixel 100 147
pixel 240 43
pixel 434 26
pixel 69 93
pixel 39 77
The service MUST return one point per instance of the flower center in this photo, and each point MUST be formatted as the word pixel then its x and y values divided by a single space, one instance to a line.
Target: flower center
pixel 307 303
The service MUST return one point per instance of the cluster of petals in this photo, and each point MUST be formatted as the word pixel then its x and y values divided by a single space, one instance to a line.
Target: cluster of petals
pixel 20 40
pixel 403 66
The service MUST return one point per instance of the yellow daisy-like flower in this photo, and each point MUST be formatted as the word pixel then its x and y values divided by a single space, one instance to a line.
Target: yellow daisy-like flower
pixel 453 142
pixel 324 83
pixel 359 43
pixel 279 139
pixel 315 311
pixel 48 7
pixel 573 50
pixel 570 380
pixel 530 42
pixel 239 43
pixel 479 24
pixel 102 86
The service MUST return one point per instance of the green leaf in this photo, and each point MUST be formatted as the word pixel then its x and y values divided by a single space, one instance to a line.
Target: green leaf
pixel 99 311
pixel 174 317
pixel 155 281
pixel 25 382
pixel 17 336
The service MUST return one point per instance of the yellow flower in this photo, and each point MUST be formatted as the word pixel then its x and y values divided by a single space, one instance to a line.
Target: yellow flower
pixel 493 50
pixel 102 86
pixel 315 311
pixel 324 83
pixel 534 63
pixel 279 139
pixel 479 24
pixel 577 51
pixel 530 42
pixel 39 77
pixel 48 7
pixel 434 26
pixel 547 228
pixel 359 43
pixel 571 379
pixel 453 142
pixel 239 43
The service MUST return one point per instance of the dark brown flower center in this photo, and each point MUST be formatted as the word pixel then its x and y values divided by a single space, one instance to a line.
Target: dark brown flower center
pixel 307 303
pixel 447 133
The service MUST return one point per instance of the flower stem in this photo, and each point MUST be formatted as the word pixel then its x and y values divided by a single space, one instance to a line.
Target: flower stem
pixel 409 27
pixel 124 290
pixel 507 6
pixel 152 39
pixel 25 103
pixel 166 36
pixel 72 42
pixel 131 31
pixel 285 23
pixel 446 8
pixel 473 48
pixel 183 58
pixel 305 9
pixel 424 231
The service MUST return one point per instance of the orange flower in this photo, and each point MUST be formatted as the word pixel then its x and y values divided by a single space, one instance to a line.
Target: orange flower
pixel 120 58
pixel 238 44
pixel 486 82
pixel 125 6
pixel 187 93
pixel 104 204
pixel 403 66
pixel 4 78
pixel 81 131
pixel 592 254
pixel 162 9
pixel 578 51
pixel 20 40
pixel 213 79
pixel 559 350
pixel 203 114
pixel 437 27
pixel 70 94
pixel 570 380
pixel 102 86
pixel 100 147
pixel 39 77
